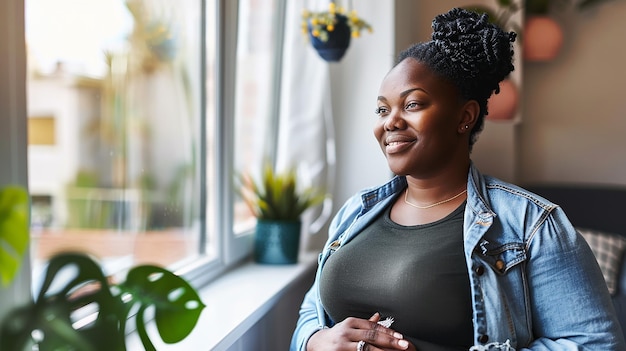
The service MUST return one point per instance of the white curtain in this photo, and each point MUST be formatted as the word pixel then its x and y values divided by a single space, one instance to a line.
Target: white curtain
pixel 306 136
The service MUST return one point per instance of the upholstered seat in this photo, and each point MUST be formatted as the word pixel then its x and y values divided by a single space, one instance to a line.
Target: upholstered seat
pixel 598 212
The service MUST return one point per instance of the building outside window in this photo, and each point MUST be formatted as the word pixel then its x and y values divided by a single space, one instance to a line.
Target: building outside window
pixel 134 133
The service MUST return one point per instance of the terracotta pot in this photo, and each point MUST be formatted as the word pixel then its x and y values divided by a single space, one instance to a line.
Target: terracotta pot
pixel 543 38
pixel 503 106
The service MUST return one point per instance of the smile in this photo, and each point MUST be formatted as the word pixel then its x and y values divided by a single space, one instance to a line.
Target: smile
pixel 393 147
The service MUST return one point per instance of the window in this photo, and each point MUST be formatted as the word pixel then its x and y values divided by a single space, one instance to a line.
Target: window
pixel 136 133
pixel 254 94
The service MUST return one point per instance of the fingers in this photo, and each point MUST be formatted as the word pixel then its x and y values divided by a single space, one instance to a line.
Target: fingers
pixel 347 335
pixel 375 335
pixel 382 337
pixel 375 318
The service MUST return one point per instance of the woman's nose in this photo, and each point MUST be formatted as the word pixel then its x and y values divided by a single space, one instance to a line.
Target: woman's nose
pixel 394 121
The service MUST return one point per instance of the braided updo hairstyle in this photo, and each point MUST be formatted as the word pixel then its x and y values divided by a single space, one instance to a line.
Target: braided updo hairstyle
pixel 469 51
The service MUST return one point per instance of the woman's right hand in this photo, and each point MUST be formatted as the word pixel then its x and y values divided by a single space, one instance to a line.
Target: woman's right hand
pixel 345 336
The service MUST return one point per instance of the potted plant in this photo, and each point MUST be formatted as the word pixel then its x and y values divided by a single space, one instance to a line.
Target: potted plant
pixel 330 31
pixel 503 105
pixel 543 36
pixel 75 289
pixel 277 203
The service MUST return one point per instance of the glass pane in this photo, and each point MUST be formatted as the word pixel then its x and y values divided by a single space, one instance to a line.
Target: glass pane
pixel 256 48
pixel 114 162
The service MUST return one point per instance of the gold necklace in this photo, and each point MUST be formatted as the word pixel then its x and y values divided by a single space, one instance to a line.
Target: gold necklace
pixel 406 199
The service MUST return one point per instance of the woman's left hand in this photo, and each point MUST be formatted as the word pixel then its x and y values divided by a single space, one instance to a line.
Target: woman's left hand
pixel 371 347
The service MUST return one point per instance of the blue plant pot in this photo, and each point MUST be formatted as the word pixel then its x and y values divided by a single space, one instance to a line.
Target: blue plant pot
pixel 338 41
pixel 277 242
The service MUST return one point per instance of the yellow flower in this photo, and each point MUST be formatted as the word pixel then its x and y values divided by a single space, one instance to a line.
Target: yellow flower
pixel 321 24
pixel 332 8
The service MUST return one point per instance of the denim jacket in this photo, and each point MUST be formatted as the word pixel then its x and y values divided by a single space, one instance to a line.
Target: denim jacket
pixel 535 283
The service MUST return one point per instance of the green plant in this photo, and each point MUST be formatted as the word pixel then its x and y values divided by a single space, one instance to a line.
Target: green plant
pixel 84 212
pixel 75 283
pixel 505 9
pixel 276 196
pixel 324 22
pixel 13 231
pixel 542 7
pixel 502 15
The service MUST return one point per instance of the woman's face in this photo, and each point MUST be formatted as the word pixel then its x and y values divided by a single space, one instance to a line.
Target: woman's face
pixel 420 125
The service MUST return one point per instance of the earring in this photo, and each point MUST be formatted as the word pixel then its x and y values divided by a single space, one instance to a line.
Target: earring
pixel 466 126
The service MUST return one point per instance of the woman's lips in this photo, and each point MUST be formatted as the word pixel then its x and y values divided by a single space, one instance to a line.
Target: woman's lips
pixel 396 145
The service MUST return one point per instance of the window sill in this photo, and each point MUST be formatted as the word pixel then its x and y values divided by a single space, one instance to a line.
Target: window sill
pixel 234 303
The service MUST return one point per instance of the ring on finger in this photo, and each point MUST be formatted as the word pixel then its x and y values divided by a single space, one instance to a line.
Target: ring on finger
pixel 360 346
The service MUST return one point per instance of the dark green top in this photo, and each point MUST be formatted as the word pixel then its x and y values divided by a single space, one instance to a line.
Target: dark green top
pixel 415 274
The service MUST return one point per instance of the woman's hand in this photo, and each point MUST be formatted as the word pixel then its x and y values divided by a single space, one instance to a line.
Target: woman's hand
pixel 345 336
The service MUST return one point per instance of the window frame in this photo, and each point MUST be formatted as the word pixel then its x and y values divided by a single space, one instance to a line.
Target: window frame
pixel 232 248
pixel 13 131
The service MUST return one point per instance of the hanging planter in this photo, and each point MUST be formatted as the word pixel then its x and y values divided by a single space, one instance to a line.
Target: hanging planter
pixel 543 38
pixel 336 43
pixel 330 31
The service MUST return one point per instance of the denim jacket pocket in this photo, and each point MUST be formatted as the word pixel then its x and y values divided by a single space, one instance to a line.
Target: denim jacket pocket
pixel 501 257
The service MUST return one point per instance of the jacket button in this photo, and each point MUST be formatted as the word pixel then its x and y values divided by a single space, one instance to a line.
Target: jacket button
pixel 479 270
pixel 499 265
pixel 483 339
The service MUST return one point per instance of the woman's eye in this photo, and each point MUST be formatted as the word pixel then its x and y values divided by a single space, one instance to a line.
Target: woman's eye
pixel 381 110
pixel 411 105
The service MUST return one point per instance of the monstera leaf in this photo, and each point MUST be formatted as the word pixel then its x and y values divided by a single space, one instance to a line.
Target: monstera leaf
pixel 72 281
pixel 75 287
pixel 176 304
pixel 13 231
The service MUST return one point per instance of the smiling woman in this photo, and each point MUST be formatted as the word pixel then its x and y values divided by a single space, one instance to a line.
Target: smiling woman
pixel 458 259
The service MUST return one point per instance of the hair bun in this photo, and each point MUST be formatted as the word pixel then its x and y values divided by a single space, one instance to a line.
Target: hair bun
pixel 477 46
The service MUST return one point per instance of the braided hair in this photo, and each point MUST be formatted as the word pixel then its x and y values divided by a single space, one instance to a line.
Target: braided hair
pixel 470 52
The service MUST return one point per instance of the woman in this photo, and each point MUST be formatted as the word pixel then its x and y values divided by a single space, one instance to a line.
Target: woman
pixel 443 257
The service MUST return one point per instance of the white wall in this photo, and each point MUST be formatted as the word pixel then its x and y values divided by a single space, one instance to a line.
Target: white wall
pixel 355 82
pixel 354 87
